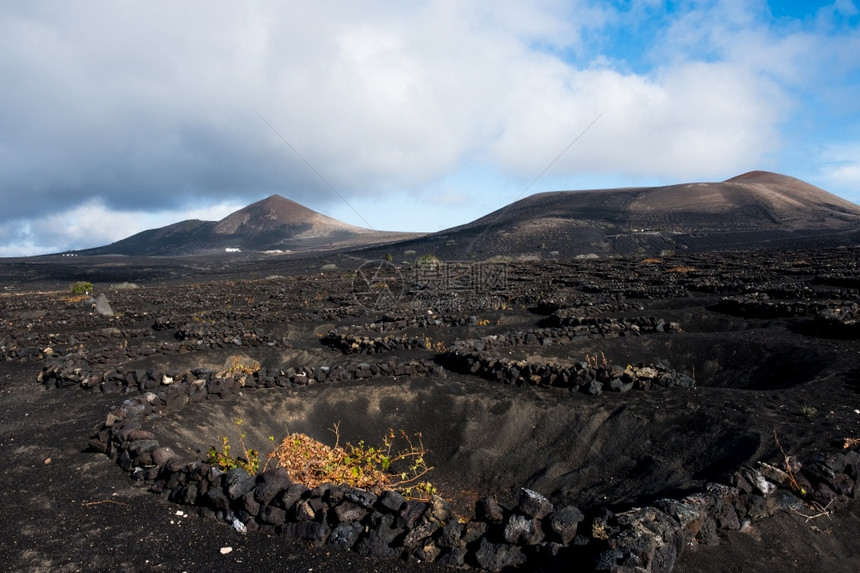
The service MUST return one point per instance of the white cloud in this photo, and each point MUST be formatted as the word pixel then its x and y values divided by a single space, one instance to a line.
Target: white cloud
pixel 113 109
pixel 92 225
pixel 689 120
pixel 840 170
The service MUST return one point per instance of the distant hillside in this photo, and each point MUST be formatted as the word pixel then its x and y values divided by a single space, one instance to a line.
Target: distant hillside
pixel 755 210
pixel 275 223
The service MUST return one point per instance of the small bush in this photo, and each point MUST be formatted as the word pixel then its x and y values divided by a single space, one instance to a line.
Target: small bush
pixel 239 367
pixel 438 346
pixel 429 262
pixel 250 460
pixel 81 287
pixel 388 467
pixel 809 411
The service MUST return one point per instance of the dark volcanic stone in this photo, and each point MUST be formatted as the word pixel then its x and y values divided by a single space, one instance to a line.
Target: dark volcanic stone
pixel 490 510
pixel 160 456
pixel 312 531
pixel 239 482
pixel 380 537
pixel 495 557
pixel 303 511
pixel 186 494
pixel 216 500
pixel 533 504
pixel 617 385
pixel 344 535
pixel 595 388
pixel 453 557
pixel 426 553
pixel 438 510
pixel 608 560
pixel 564 522
pixel 451 534
pixel 140 447
pixel 249 504
pixel 474 531
pixel 361 497
pixel 411 513
pixel 708 534
pixel 272 515
pixel 271 482
pixel 349 511
pixel 523 530
pixel 391 500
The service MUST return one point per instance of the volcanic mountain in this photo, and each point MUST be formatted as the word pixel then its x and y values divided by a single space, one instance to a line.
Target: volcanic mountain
pixel 273 224
pixel 754 210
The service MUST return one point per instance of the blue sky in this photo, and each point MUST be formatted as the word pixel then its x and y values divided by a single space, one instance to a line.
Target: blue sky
pixel 119 116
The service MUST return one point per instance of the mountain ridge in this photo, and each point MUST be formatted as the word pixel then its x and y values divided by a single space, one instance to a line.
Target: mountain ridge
pixel 271 224
pixel 754 207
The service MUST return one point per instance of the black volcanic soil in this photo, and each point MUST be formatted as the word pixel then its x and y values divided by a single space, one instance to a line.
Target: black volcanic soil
pixel 765 360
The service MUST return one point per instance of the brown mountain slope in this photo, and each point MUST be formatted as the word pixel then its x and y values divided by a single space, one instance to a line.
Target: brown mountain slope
pixel 278 214
pixel 273 224
pixel 757 199
pixel 754 210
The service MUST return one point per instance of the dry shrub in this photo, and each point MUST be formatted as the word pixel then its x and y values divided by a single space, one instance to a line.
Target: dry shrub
pixel 75 298
pixel 594 362
pixel 312 463
pixel 239 367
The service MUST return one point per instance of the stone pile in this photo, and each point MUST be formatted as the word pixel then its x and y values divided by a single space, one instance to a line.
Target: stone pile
pixel 610 326
pixel 206 337
pixel 530 533
pixel 842 321
pixel 121 379
pixel 760 305
pixel 389 323
pixel 588 377
pixel 583 305
pixel 35 347
pixel 356 344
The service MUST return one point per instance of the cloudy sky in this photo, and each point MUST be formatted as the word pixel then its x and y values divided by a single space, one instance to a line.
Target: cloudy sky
pixel 117 116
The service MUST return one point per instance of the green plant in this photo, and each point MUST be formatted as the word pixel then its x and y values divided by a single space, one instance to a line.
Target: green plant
pixel 238 367
pixel 809 411
pixel 390 466
pixel 81 287
pixel 250 460
pixel 428 261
